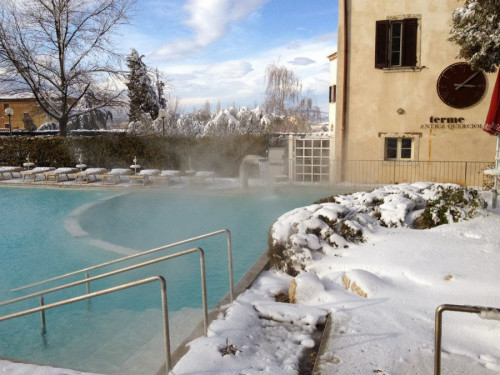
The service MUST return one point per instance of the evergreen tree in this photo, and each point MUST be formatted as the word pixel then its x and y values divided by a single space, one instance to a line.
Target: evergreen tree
pixel 476 29
pixel 142 94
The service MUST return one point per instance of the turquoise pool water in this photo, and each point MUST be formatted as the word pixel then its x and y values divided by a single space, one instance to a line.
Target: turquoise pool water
pixel 100 337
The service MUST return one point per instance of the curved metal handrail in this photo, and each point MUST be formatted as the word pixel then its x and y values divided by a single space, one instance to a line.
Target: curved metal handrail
pixel 151 251
pixel 166 331
pixel 125 269
pixel 439 330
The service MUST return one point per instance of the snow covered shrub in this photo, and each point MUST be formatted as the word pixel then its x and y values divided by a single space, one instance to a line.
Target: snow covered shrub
pixel 278 257
pixel 337 222
pixel 451 204
pixel 306 232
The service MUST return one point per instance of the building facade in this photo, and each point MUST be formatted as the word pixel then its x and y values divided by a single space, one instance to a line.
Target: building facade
pixel 402 96
pixel 24 107
pixel 332 93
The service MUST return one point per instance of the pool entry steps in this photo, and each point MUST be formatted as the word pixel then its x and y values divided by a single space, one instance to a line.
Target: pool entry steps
pixel 89 295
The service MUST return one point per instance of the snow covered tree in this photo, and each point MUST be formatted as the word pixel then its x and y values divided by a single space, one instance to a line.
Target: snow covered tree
pixel 59 50
pixel 189 125
pixel 160 89
pixel 224 123
pixel 476 29
pixel 141 92
pixel 90 118
pixel 253 121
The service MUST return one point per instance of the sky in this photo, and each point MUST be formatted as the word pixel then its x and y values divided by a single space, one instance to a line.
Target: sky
pixel 218 50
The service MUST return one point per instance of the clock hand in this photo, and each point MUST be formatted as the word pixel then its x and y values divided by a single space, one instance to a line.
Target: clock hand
pixel 463 85
pixel 459 86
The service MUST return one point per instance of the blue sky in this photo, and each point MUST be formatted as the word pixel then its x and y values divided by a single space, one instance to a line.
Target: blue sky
pixel 217 50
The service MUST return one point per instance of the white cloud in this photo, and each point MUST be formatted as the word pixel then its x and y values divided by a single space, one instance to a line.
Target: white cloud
pixel 231 69
pixel 301 61
pixel 209 22
pixel 242 81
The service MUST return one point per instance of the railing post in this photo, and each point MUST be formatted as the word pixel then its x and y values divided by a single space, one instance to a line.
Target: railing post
pixel 230 260
pixel 166 329
pixel 87 284
pixel 204 290
pixel 437 339
pixel 42 316
pixel 87 288
pixel 465 182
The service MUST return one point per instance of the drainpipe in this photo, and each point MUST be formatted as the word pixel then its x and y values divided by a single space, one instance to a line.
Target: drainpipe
pixel 343 127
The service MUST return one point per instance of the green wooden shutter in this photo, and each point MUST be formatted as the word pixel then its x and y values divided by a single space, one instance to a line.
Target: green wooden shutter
pixel 410 27
pixel 381 44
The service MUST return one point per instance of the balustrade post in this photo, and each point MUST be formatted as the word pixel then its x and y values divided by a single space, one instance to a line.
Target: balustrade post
pixel 42 316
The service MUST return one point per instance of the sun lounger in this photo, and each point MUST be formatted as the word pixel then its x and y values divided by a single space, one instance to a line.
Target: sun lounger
pixel 9 171
pixel 33 173
pixel 201 177
pixel 56 174
pixel 143 176
pixel 84 177
pixel 114 176
pixel 167 176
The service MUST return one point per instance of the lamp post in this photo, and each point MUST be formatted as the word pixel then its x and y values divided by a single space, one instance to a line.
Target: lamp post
pixel 9 112
pixel 163 114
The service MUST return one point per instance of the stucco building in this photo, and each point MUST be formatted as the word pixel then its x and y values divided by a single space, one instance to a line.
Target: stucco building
pixel 404 102
pixel 24 106
pixel 332 93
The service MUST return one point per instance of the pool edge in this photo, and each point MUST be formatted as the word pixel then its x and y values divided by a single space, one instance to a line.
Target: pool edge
pixel 246 281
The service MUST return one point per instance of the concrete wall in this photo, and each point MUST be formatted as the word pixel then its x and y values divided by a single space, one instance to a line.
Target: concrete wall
pixel 375 95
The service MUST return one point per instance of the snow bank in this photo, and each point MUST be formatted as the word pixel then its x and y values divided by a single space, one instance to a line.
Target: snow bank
pixel 343 221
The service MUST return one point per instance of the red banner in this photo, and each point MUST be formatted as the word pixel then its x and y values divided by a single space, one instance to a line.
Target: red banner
pixel 492 123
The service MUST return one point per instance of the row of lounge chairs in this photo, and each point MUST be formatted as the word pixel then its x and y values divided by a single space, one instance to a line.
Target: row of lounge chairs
pixel 112 177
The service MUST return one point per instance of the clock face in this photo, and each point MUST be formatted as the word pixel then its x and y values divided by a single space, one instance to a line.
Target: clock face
pixel 459 86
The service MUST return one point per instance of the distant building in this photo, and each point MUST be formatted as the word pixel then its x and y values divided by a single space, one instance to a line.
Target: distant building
pixel 402 98
pixel 24 107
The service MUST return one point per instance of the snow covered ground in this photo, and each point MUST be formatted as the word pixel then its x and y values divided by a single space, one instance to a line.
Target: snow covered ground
pixel 404 273
pixel 380 282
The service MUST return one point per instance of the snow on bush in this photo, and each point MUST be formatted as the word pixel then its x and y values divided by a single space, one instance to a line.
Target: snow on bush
pixel 451 204
pixel 337 222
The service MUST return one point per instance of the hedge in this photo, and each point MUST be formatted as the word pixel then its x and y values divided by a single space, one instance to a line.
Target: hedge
pixel 220 154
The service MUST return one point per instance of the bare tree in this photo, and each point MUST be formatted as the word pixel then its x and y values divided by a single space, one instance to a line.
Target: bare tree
pixel 282 90
pixel 60 50
pixel 283 98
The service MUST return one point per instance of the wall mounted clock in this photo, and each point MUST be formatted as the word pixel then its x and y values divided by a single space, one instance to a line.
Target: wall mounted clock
pixel 460 87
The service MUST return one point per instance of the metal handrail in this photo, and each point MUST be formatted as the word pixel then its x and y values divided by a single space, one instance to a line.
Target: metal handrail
pixel 125 269
pixel 192 239
pixel 439 331
pixel 166 332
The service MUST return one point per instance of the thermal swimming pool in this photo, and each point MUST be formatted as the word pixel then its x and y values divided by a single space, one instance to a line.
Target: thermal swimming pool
pixel 37 243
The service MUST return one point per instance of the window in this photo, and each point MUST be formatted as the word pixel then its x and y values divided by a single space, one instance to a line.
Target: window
pixel 396 43
pixel 333 94
pixel 398 148
pixel 312 160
